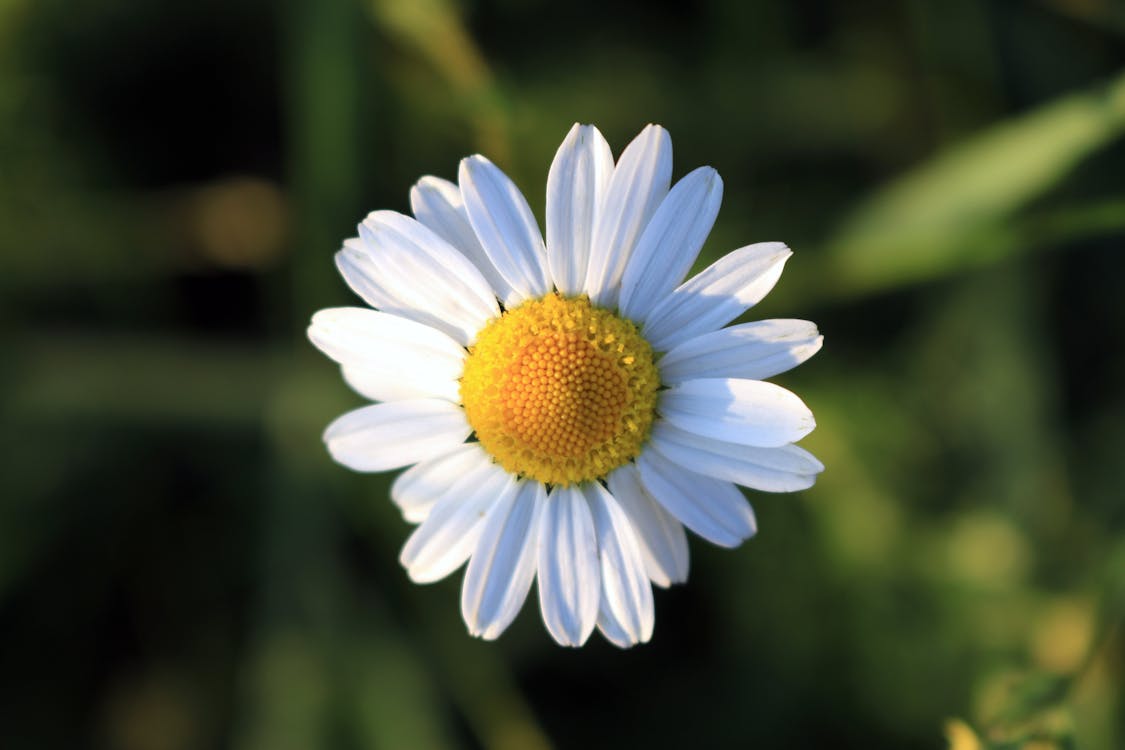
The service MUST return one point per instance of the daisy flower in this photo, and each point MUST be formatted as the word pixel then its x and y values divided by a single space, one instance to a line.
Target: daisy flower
pixel 566 407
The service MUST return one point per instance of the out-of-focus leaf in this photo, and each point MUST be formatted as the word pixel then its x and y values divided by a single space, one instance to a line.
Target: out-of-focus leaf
pixel 942 216
pixel 1026 709
pixel 961 736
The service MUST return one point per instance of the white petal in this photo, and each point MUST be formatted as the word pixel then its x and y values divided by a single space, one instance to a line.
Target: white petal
pixel 784 469
pixel 432 282
pixel 388 436
pixel 569 577
pixel 416 490
pixel 505 227
pixel 450 533
pixel 575 187
pixel 502 568
pixel 613 630
pixel 753 351
pixel 438 204
pixel 671 242
pixel 717 295
pixel 747 412
pixel 713 509
pixel 661 537
pixel 384 385
pixel 626 600
pixel 355 266
pixel 788 458
pixel 639 182
pixel 389 357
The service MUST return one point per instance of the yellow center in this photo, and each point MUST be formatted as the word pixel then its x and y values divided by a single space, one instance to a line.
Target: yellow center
pixel 560 391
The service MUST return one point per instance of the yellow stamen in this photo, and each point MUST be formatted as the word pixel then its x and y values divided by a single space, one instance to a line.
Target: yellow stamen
pixel 560 391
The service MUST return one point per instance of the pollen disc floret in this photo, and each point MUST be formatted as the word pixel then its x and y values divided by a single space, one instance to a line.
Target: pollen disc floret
pixel 560 391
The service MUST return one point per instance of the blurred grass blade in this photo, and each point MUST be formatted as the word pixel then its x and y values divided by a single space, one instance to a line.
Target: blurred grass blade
pixel 932 221
pixel 436 31
pixel 392 699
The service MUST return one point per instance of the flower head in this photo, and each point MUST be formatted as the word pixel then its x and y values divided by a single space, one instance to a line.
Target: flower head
pixel 566 408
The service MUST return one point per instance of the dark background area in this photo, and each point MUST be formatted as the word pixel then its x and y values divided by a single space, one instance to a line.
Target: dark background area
pixel 181 564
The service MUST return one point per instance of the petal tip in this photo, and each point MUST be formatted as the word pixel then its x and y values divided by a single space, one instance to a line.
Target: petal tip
pixel 430 182
pixel 474 162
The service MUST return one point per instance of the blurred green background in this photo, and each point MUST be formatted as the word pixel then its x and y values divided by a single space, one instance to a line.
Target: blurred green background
pixel 182 566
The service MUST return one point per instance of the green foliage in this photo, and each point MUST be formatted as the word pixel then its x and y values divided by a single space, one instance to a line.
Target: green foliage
pixel 959 210
pixel 181 564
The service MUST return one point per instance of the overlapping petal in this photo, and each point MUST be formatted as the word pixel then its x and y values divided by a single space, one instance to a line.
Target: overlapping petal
pixel 387 357
pixel 717 295
pixel 501 570
pixel 506 228
pixel 568 573
pixel 787 468
pixel 417 489
pixel 638 185
pixel 712 508
pixel 356 267
pixel 576 187
pixel 747 412
pixel 671 242
pixel 625 613
pixel 396 434
pixel 661 537
pixel 753 351
pixel 450 532
pixel 438 204
pixel 429 280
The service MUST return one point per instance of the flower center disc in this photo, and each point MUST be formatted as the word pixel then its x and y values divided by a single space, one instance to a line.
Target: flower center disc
pixel 560 391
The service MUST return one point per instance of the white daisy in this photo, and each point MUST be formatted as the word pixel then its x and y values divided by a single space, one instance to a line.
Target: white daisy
pixel 566 408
